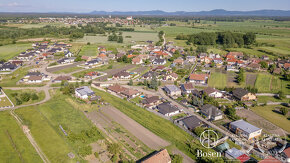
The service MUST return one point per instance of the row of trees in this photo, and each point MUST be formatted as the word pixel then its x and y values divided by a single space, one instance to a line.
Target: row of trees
pixel 114 37
pixel 24 97
pixel 227 39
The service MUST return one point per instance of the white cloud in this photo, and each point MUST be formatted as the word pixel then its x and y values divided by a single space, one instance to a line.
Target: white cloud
pixel 12 4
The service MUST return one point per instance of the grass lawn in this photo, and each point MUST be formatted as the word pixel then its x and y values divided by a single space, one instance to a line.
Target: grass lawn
pixel 89 50
pixel 4 102
pixel 10 80
pixel 276 118
pixel 67 70
pixel 161 127
pixel 218 80
pixel 178 116
pixel 10 51
pixel 136 99
pixel 44 120
pixel 15 147
pixel 41 95
pixel 264 99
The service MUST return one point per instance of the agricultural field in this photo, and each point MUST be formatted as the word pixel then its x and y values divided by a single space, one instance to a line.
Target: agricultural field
pixel 67 70
pixel 9 51
pixel 129 37
pixel 271 114
pixel 268 83
pixel 15 147
pixel 264 99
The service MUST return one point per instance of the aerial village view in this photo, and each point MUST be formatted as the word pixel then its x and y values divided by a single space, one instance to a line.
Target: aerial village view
pixel 147 81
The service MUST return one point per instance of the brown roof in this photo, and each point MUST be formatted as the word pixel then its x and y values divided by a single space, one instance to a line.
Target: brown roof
pixel 129 92
pixel 286 65
pixel 254 65
pixel 198 77
pixel 173 75
pixel 116 88
pixel 159 157
pixel 136 60
pixel 287 152
pixel 35 77
pixel 209 90
pixel 151 99
pixel 60 78
pixel 188 86
pixel 269 159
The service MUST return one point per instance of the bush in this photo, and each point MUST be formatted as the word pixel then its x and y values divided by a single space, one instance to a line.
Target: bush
pixel 25 97
pixel 96 154
pixel 84 151
pixel 18 101
pixel 176 158
pixel 284 111
pixel 34 96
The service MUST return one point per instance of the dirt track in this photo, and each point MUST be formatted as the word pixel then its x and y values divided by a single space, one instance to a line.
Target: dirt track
pixel 147 137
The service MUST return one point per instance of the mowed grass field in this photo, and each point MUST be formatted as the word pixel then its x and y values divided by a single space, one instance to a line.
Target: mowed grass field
pixel 4 102
pixel 268 113
pixel 89 50
pixel 44 120
pixel 9 51
pixel 218 80
pixel 15 147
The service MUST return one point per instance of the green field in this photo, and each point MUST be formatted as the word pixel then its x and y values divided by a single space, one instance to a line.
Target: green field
pixel 264 99
pixel 15 147
pixel 89 50
pixel 137 36
pixel 10 80
pixel 268 83
pixel 10 51
pixel 44 120
pixel 218 80
pixel 276 118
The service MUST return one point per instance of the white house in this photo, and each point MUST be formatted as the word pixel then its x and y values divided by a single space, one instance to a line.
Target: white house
pixel 245 129
pixel 213 92
pixel 84 92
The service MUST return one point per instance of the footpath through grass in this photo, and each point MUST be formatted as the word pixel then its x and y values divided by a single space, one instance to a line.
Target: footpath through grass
pixel 15 147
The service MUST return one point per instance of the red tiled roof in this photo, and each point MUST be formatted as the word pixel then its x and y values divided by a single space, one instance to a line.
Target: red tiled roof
pixel 270 159
pixel 286 65
pixel 198 77
pixel 243 158
pixel 287 152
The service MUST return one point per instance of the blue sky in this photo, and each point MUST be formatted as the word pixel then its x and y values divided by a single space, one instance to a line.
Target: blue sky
pixel 138 5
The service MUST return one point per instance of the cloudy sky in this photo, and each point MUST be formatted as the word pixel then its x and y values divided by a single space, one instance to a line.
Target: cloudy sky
pixel 138 5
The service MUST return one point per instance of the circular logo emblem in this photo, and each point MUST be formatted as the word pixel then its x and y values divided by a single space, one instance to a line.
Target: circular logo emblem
pixel 208 138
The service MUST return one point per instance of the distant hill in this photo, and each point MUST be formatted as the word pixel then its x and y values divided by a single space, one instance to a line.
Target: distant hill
pixel 218 12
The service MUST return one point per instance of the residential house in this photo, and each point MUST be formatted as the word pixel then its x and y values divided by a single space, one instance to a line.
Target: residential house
pixel 211 112
pixel 172 90
pixel 198 78
pixel 190 122
pixel 187 88
pixel 148 75
pixel 111 56
pixel 66 60
pixel 137 61
pixel 232 68
pixel 245 129
pixel 286 154
pixel 91 75
pixel 159 68
pixel 62 78
pixel 286 66
pixel 211 92
pixel 159 61
pixel 171 77
pixel 86 58
pixel 151 101
pixel 34 79
pixel 237 55
pixel 254 66
pixel 68 54
pixel 84 92
pixel 167 109
pixel 8 67
pixel 17 63
pixel 236 154
pixel 161 156
pixel 123 75
pixel 178 61
pixel 116 88
pixel 243 94
pixel 93 62
pixel 130 93
pixel 191 59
